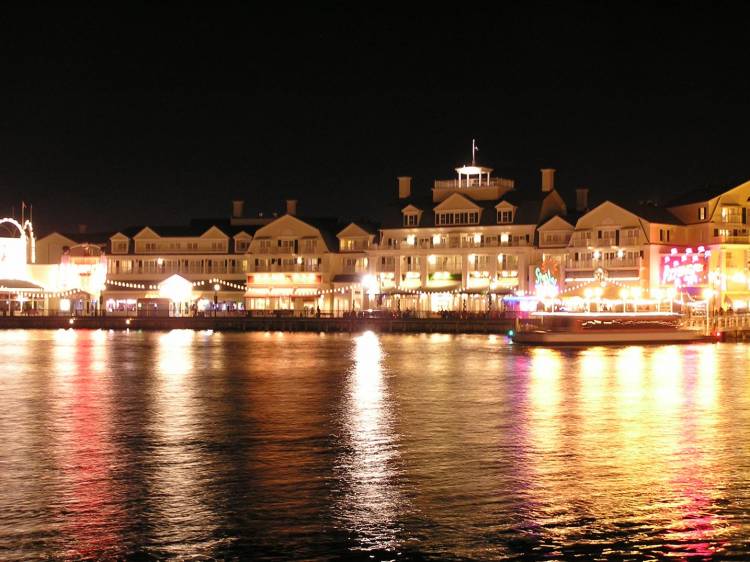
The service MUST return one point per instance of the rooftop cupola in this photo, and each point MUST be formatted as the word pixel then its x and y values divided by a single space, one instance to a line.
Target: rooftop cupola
pixel 474 174
pixel 474 180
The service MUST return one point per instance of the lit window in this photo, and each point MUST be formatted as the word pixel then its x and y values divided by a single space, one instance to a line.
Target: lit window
pixel 504 217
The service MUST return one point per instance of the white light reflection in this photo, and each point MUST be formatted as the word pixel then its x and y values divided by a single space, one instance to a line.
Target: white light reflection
pixel 180 465
pixel 175 352
pixel 371 503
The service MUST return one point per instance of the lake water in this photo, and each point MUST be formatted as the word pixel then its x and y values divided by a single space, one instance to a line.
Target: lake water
pixel 274 446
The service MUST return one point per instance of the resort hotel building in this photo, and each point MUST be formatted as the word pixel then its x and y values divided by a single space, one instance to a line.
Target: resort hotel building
pixel 473 244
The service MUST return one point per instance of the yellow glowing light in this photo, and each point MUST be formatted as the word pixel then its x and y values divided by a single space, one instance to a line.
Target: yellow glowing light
pixel 624 293
pixel 370 283
pixel 477 238
pixel 636 292
pixel 411 239
pixel 432 259
pixel 708 293
pixel 436 239
pixel 176 289
pixel 656 293
pixel 588 293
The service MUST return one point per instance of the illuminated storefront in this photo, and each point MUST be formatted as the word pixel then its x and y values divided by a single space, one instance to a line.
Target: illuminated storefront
pixel 299 292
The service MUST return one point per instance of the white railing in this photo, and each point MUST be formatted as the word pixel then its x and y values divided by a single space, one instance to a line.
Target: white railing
pixel 474 182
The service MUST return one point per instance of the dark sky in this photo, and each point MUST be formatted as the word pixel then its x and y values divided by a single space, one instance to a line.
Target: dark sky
pixel 113 119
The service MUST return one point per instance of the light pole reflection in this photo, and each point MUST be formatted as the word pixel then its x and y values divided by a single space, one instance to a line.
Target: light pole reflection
pixel 371 501
pixel 183 520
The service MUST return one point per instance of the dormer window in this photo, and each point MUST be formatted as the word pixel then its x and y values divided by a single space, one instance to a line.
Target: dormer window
pixel 504 216
pixel 411 219
pixel 456 217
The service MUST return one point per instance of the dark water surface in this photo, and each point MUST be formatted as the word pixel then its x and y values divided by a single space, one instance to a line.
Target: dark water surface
pixel 410 447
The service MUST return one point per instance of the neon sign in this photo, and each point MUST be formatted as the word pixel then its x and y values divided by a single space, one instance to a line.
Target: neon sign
pixel 545 284
pixel 686 269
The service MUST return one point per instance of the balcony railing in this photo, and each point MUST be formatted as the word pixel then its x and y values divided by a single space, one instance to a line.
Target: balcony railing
pixel 455 243
pixel 281 268
pixel 354 269
pixel 732 239
pixel 474 182
pixel 605 263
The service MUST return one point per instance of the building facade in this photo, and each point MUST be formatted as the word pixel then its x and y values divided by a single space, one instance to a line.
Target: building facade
pixel 474 244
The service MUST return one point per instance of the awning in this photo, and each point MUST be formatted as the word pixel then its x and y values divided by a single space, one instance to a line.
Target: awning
pixel 280 292
pixel 348 278
pixel 12 285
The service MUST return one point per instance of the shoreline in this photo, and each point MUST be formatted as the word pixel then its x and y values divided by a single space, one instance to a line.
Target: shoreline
pixel 257 324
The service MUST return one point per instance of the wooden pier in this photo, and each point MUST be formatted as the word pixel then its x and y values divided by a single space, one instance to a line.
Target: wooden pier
pixel 243 323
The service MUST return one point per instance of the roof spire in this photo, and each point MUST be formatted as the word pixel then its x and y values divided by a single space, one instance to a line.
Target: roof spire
pixel 474 150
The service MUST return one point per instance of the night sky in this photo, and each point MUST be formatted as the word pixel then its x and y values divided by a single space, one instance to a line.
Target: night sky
pixel 159 116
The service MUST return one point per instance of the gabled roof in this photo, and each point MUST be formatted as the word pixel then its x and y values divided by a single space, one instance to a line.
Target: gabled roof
pixel 457 201
pixel 410 208
pixel 504 203
pixel 353 229
pixel 528 207
pixel 561 222
pixel 195 229
pixel 93 238
pixel 328 227
pixel 651 213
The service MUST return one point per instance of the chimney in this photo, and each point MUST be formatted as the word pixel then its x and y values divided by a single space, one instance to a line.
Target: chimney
pixel 82 228
pixel 548 179
pixel 291 206
pixel 582 199
pixel 238 208
pixel 404 187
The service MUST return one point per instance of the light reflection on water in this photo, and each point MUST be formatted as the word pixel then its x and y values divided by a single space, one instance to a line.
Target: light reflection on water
pixel 370 502
pixel 304 446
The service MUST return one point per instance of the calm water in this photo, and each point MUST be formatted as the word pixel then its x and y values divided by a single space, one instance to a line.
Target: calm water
pixel 319 447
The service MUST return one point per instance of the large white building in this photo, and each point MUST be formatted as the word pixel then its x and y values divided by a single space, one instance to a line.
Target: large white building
pixel 473 244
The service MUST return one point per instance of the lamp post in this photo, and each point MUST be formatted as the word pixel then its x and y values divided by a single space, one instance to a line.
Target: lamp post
pixel 707 295
pixel 216 297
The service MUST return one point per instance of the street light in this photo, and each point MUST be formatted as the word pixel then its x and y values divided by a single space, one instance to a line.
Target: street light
pixel 216 296
pixel 708 293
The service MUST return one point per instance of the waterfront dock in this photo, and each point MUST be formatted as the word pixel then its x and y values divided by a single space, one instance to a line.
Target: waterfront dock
pixel 265 323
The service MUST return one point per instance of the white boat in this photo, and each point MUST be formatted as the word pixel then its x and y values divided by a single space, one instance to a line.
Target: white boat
pixel 587 328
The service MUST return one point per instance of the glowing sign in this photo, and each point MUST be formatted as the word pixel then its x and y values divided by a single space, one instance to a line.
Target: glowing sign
pixel 545 282
pixel 686 269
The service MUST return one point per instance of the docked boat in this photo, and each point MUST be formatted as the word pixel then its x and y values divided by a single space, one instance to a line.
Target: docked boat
pixel 586 328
